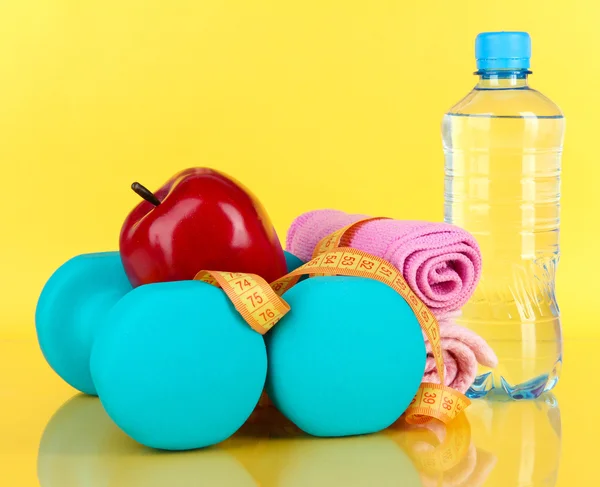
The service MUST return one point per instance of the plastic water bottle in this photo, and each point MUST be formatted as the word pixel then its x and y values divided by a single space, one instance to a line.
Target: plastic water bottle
pixel 503 148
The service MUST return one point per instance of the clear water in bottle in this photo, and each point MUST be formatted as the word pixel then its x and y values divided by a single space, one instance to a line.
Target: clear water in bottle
pixel 503 147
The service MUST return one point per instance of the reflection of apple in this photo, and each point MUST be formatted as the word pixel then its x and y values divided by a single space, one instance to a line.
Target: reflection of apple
pixel 81 446
pixel 199 220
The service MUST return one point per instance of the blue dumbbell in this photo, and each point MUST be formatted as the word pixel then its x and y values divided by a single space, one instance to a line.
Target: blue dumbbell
pixel 70 309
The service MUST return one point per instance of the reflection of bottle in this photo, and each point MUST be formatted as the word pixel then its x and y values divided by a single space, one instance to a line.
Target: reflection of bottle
pixel 82 446
pixel 525 437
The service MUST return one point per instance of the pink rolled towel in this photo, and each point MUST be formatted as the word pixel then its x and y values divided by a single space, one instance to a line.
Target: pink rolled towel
pixel 462 349
pixel 440 262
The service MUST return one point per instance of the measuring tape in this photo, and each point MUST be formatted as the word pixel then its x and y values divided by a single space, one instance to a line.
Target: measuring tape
pixel 261 306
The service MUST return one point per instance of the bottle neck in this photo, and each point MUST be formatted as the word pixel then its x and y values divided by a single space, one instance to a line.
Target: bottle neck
pixel 492 79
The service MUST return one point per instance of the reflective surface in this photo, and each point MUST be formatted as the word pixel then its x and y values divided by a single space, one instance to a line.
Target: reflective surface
pixel 51 436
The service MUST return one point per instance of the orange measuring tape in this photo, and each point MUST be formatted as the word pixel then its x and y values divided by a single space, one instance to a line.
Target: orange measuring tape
pixel 261 305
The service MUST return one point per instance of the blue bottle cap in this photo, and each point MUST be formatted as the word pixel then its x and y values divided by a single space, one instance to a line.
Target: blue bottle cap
pixel 503 50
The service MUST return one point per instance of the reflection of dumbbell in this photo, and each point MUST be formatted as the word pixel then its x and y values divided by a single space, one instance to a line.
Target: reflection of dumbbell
pixel 70 309
pixel 82 446
pixel 356 461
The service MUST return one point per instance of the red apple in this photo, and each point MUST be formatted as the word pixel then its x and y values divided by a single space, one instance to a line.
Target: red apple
pixel 200 219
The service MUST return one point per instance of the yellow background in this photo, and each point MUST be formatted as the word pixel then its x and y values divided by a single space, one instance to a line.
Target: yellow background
pixel 329 103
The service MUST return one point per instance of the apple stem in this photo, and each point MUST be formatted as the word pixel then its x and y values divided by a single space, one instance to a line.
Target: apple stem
pixel 145 193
